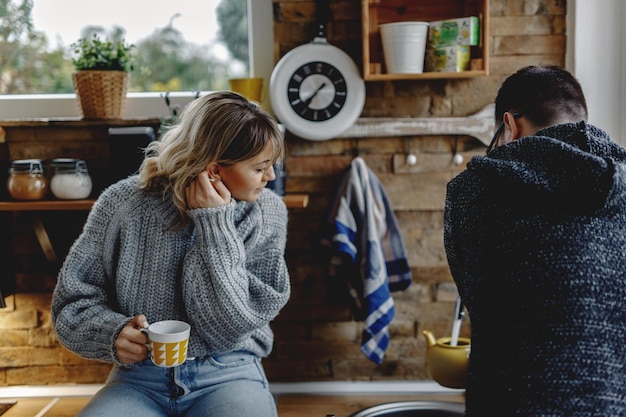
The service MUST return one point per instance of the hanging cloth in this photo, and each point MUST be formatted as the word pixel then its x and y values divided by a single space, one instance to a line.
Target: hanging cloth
pixel 367 253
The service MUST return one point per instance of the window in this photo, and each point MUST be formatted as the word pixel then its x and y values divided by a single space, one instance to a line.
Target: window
pixel 151 104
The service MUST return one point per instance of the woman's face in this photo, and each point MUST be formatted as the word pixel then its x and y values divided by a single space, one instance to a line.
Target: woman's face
pixel 246 179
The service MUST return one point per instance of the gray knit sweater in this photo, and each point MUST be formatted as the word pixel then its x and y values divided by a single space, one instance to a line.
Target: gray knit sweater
pixel 225 274
pixel 535 235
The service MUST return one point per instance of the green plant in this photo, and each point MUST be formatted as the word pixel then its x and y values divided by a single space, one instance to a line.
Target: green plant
pixel 96 54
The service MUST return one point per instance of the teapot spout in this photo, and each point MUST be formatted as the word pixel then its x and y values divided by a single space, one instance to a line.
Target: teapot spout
pixel 430 338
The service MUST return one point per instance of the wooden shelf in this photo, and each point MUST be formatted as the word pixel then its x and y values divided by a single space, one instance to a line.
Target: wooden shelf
pixel 377 12
pixel 296 200
pixel 291 200
pixel 427 76
pixel 46 205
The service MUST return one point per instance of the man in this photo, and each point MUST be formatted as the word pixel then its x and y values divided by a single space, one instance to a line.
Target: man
pixel 535 235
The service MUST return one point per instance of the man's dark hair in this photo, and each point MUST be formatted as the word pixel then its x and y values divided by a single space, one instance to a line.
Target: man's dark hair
pixel 544 95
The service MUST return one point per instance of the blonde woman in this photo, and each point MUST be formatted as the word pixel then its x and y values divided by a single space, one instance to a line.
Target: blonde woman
pixel 196 237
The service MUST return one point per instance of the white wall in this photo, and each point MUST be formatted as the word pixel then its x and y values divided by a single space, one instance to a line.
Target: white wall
pixel 596 54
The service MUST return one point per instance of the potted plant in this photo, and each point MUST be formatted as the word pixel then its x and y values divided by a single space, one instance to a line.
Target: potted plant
pixel 102 76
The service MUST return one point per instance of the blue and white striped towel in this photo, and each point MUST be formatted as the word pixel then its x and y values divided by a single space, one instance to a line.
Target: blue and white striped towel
pixel 368 252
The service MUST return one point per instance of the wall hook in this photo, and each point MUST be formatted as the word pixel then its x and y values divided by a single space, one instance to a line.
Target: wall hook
pixel 457 158
pixel 411 159
pixel 356 151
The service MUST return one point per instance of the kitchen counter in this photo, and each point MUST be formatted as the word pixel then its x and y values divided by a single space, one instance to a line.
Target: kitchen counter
pixel 293 400
pixel 289 405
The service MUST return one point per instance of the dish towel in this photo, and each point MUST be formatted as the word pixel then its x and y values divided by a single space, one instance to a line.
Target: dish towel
pixel 368 253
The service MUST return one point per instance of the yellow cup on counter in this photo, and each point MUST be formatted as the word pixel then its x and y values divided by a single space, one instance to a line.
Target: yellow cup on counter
pixel 251 88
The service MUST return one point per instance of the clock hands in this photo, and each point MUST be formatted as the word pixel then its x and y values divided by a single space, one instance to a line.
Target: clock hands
pixel 317 92
pixel 310 99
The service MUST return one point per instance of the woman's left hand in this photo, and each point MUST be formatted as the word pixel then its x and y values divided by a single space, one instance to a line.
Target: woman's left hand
pixel 205 192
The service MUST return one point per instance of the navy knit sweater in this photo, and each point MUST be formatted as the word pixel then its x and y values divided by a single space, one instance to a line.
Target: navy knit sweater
pixel 535 235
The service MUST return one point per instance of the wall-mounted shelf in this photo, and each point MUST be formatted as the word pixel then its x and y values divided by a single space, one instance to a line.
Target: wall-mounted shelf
pixel 46 205
pixel 377 12
pixel 291 201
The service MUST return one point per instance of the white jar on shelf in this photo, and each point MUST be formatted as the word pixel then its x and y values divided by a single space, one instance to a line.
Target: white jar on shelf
pixel 70 179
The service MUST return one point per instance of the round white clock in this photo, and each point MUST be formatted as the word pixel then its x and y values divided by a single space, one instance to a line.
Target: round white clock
pixel 317 91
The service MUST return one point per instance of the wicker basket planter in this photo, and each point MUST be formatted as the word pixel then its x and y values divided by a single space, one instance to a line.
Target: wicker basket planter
pixel 101 94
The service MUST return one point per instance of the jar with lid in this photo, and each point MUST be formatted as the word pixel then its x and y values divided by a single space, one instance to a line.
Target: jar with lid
pixel 26 180
pixel 70 179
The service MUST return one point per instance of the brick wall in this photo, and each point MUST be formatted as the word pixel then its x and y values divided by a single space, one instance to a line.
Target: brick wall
pixel 316 337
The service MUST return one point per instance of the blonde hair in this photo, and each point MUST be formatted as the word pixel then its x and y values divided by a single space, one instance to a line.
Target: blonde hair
pixel 221 127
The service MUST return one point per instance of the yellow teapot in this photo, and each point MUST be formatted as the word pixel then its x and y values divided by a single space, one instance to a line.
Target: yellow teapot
pixel 447 364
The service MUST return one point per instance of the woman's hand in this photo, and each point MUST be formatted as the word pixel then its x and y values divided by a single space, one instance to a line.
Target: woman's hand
pixel 131 342
pixel 204 192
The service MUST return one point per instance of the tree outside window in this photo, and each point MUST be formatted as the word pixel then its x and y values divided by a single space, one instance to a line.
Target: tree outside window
pixel 165 60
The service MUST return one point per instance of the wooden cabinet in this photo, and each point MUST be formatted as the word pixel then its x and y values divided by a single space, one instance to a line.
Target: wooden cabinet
pixel 377 12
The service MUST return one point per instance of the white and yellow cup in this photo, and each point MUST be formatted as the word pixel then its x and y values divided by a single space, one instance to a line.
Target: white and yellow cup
pixel 168 341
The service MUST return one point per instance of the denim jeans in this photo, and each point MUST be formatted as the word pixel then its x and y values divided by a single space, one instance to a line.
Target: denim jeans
pixel 229 385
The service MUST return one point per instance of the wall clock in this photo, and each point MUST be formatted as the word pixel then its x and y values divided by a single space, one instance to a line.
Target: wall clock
pixel 316 90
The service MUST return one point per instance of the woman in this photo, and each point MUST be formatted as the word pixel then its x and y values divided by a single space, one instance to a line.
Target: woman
pixel 194 237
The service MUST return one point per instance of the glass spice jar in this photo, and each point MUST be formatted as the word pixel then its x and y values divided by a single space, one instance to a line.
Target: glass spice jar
pixel 70 179
pixel 26 180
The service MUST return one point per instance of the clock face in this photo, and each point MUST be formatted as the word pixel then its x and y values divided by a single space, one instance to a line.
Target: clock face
pixel 317 91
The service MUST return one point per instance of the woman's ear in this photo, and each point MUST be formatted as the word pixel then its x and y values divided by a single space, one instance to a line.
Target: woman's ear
pixel 213 169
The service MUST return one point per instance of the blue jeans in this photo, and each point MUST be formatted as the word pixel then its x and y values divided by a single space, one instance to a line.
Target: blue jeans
pixel 229 385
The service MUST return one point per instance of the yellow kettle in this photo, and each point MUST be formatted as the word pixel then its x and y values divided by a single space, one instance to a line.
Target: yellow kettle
pixel 447 364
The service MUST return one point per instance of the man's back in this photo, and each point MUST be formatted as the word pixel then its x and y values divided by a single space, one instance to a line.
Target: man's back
pixel 535 235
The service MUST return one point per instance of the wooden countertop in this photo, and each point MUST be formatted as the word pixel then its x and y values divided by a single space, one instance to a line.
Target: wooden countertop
pixel 289 405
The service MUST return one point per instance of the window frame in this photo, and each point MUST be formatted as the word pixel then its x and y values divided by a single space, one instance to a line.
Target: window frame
pixel 138 105
pixel 596 56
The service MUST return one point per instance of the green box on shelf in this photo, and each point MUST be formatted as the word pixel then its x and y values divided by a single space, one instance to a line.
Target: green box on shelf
pixel 454 58
pixel 462 31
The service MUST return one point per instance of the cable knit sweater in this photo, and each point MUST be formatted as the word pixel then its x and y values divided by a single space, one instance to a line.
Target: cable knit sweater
pixel 535 235
pixel 225 274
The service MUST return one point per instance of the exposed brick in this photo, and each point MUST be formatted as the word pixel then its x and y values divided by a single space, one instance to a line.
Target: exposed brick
pixel 446 292
pixel 33 300
pixel 344 331
pixel 405 348
pixel 300 370
pixel 43 375
pixel 70 358
pixel 402 327
pixel 19 319
pixel 12 338
pixel 529 45
pixel 9 300
pixel 28 356
pixel 42 337
pixel 503 66
pixel 527 7
pixel 527 25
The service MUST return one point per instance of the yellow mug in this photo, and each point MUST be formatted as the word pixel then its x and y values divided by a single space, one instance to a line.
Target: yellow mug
pixel 250 88
pixel 168 341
